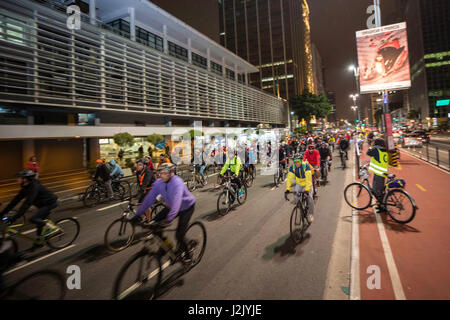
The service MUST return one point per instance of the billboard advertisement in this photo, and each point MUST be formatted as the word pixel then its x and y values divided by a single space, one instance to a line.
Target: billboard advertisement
pixel 383 58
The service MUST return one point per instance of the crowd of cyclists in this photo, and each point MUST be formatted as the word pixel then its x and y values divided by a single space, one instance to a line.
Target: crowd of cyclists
pixel 311 157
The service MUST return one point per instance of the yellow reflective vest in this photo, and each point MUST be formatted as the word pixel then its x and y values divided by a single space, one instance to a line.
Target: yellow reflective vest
pixel 302 176
pixel 380 168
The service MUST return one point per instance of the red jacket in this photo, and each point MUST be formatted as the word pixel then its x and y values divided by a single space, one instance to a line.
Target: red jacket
pixel 313 158
pixel 33 166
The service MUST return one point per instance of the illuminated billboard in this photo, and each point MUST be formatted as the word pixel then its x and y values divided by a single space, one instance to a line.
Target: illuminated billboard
pixel 383 58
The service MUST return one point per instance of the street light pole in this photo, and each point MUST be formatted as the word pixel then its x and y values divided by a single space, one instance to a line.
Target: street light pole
pixel 354 96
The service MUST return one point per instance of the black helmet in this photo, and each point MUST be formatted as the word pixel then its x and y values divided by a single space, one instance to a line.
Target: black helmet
pixel 26 174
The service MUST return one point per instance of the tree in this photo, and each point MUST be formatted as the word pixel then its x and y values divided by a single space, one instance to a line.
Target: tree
pixel 123 139
pixel 413 114
pixel 307 105
pixel 153 139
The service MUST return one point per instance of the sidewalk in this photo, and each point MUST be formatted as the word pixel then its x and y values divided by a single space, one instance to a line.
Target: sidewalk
pixel 414 259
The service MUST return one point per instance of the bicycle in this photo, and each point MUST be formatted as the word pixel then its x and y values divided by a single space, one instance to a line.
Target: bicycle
pixel 341 155
pixel 146 266
pixel 229 194
pixel 279 176
pixel 68 228
pixel 195 180
pixel 97 192
pixel 299 222
pixel 392 197
pixel 120 233
pixel 39 285
pixel 324 164
pixel 248 175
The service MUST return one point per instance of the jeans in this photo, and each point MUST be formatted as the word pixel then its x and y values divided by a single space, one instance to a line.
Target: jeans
pixel 202 169
pixel 109 188
pixel 183 223
pixel 378 186
pixel 299 188
pixel 42 213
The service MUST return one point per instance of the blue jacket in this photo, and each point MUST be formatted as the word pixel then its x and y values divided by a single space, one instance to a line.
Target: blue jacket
pixel 116 170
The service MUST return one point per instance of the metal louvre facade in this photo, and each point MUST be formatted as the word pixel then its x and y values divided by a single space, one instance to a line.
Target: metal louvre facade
pixel 42 62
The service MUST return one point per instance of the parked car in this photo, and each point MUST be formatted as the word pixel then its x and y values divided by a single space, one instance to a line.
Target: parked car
pixel 412 140
pixel 425 136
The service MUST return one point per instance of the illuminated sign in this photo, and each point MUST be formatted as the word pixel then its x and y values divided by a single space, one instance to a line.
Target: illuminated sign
pixel 440 103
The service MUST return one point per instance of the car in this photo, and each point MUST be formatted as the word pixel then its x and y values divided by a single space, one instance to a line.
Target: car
pixel 412 140
pixel 425 136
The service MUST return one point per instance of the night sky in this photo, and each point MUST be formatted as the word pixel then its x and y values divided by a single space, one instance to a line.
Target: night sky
pixel 333 27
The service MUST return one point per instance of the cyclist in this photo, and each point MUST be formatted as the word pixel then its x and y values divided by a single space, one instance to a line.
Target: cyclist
pixel 378 166
pixel 282 157
pixel 145 178
pixel 149 163
pixel 300 175
pixel 116 170
pixel 343 146
pixel 162 159
pixel 313 158
pixel 37 195
pixel 198 159
pixel 235 164
pixel 324 152
pixel 179 202
pixel 103 174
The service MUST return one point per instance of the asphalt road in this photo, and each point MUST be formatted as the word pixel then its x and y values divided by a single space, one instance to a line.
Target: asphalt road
pixel 249 254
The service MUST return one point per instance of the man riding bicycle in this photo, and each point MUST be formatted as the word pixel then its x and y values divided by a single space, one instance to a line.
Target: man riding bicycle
pixel 300 176
pixel 343 146
pixel 324 152
pixel 34 194
pixel 313 157
pixel 116 170
pixel 235 164
pixel 145 178
pixel 179 203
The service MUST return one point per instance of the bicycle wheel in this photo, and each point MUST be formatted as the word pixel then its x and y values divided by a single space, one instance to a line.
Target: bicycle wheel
pixel 118 191
pixel 223 203
pixel 142 270
pixel 195 238
pixel 191 184
pixel 297 225
pixel 243 197
pixel 41 285
pixel 363 196
pixel 249 180
pixel 400 206
pixel 69 231
pixel 91 198
pixel 119 235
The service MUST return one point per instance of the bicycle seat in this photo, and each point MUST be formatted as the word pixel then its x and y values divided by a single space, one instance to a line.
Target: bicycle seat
pixel 391 176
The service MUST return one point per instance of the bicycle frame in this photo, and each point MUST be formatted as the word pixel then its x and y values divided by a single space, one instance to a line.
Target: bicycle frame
pixel 153 239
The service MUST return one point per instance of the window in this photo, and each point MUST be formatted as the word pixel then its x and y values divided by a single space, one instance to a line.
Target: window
pixel 14 30
pixel 229 74
pixel 199 61
pixel 149 39
pixel 120 27
pixel 178 51
pixel 216 68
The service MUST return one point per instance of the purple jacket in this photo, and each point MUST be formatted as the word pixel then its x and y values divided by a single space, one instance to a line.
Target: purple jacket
pixel 175 194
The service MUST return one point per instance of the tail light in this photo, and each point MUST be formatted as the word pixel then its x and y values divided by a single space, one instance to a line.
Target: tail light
pixel 419 138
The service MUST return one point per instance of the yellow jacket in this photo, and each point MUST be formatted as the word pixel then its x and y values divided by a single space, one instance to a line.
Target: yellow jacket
pixel 302 176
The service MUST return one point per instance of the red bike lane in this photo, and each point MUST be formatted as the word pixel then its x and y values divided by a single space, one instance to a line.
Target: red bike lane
pixel 413 258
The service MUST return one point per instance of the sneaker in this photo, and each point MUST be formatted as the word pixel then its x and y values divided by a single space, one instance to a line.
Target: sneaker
pixel 310 218
pixel 205 182
pixel 50 231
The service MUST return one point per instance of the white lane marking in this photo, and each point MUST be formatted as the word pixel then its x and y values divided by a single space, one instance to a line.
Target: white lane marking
pixel 392 268
pixel 41 258
pixel 136 285
pixel 355 281
pixel 112 206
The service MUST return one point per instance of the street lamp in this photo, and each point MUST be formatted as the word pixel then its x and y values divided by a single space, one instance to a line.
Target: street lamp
pixel 354 96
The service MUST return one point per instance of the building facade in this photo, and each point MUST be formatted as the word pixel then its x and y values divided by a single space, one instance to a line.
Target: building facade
pixel 131 66
pixel 429 47
pixel 273 35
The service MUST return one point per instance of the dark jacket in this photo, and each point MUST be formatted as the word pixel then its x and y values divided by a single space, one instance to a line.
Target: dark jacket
pixel 373 152
pixel 343 144
pixel 103 172
pixel 324 152
pixel 35 194
pixel 145 179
